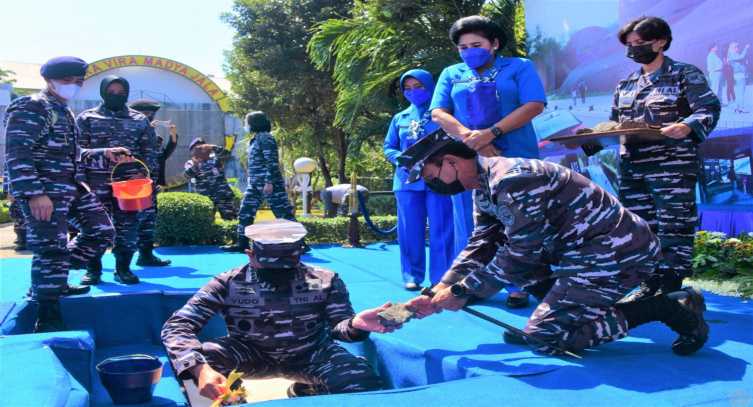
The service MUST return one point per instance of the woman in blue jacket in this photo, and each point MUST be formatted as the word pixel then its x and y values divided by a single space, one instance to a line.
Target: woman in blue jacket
pixel 488 101
pixel 415 202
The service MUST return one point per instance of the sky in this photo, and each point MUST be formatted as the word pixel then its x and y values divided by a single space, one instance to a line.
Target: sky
pixel 188 31
pixel 557 19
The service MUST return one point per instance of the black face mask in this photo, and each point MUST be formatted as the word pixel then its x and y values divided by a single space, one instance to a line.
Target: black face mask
pixel 115 102
pixel 276 277
pixel 642 54
pixel 443 188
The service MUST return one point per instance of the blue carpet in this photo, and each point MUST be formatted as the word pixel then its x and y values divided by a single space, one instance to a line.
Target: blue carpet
pixel 440 350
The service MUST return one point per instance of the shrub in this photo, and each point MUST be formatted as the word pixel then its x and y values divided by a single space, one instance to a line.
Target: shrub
pixel 4 215
pixel 382 205
pixel 322 230
pixel 237 196
pixel 717 257
pixel 184 218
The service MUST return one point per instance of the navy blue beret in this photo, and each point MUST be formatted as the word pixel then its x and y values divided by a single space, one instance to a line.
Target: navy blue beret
pixel 60 67
pixel 196 142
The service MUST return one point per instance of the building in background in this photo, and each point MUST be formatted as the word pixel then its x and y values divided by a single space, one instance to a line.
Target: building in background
pixel 198 104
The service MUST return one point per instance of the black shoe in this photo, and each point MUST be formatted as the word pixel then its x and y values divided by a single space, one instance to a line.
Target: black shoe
pixel 511 338
pixel 691 342
pixel 49 318
pixel 123 272
pixel 74 290
pixel 298 389
pixel 148 259
pixel 514 301
pixel 93 274
pixel 412 286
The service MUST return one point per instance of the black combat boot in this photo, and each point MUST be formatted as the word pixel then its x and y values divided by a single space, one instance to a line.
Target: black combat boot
pixel 148 259
pixel 93 274
pixel 123 272
pixel 20 242
pixel 49 318
pixel 683 315
pixel 240 247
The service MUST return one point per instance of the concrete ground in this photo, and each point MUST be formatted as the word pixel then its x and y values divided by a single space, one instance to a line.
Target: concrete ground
pixel 6 242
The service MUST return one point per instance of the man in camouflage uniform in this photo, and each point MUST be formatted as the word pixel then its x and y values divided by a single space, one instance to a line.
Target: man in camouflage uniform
pixel 557 235
pixel 148 217
pixel 14 211
pixel 283 318
pixel 110 124
pixel 44 169
pixel 206 167
pixel 264 178
pixel 658 180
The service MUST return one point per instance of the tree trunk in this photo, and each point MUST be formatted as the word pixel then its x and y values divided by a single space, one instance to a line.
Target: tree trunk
pixel 323 166
pixel 325 170
pixel 342 155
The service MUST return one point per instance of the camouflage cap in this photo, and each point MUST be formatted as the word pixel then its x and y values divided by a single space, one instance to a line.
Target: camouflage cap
pixel 413 158
pixel 277 243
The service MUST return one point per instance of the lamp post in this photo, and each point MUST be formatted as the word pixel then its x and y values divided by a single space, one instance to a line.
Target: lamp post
pixel 304 166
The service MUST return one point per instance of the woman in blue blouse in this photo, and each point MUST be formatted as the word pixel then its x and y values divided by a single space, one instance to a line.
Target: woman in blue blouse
pixel 488 101
pixel 415 202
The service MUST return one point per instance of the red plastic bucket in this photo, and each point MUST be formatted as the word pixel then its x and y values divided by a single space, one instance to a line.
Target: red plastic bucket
pixel 133 195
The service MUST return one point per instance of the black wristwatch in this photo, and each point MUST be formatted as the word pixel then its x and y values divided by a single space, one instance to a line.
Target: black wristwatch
pixel 496 131
pixel 458 290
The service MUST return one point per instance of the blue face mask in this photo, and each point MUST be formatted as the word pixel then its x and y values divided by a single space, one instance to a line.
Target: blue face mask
pixel 417 96
pixel 475 57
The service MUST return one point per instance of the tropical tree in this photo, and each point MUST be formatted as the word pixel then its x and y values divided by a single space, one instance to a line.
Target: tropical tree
pixel 270 70
pixel 368 51
pixel 5 76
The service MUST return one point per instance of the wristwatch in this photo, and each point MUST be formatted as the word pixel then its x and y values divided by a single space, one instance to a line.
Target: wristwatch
pixel 458 290
pixel 496 131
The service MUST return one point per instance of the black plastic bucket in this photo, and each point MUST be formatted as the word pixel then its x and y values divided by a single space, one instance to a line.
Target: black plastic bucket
pixel 130 379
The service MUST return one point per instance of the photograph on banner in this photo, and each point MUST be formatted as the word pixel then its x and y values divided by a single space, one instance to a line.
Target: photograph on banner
pixel 580 61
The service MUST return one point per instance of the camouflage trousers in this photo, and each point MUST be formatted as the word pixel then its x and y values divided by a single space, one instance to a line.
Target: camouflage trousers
pixel 330 368
pixel 253 198
pixel 19 225
pixel 53 254
pixel 147 223
pixel 126 223
pixel 223 199
pixel 658 183
pixel 579 311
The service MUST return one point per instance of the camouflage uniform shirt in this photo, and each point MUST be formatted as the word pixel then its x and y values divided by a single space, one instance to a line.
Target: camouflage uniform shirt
pixel 42 151
pixel 539 220
pixel 102 127
pixel 283 324
pixel 675 93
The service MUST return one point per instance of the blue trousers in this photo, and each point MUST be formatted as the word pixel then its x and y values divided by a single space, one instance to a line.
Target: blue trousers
pixel 413 209
pixel 462 219
pixel 462 215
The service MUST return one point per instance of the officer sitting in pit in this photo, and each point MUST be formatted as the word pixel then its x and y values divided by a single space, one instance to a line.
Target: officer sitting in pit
pixel 283 318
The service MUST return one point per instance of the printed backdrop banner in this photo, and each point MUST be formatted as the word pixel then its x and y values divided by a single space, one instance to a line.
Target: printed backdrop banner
pixel 580 60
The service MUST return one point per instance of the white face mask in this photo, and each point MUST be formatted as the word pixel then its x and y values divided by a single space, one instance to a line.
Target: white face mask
pixel 66 91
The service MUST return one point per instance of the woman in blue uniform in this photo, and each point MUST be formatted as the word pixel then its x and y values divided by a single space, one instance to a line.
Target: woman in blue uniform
pixel 415 202
pixel 488 101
